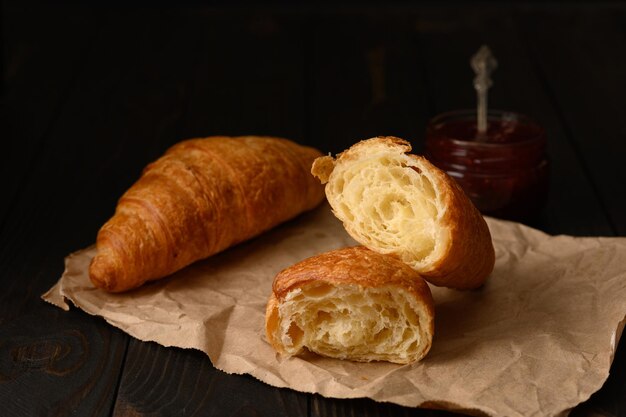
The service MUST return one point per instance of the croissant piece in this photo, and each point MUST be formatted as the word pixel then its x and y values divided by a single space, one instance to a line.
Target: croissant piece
pixel 351 303
pixel 201 197
pixel 398 203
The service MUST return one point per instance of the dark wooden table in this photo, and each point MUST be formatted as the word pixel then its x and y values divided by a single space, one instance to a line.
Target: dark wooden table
pixel 91 95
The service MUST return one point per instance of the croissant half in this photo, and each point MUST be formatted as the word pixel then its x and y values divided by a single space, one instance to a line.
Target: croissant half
pixel 351 303
pixel 201 197
pixel 400 204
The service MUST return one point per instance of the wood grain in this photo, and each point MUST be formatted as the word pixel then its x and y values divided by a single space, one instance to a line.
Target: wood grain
pixel 248 77
pixel 366 79
pixel 160 381
pixel 584 78
pixel 43 59
pixel 67 363
pixel 368 408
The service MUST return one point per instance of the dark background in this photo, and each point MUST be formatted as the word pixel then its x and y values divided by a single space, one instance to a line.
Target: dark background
pixel 91 94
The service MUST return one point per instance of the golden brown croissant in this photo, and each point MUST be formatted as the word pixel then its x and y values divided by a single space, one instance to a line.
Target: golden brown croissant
pixel 351 303
pixel 397 203
pixel 201 197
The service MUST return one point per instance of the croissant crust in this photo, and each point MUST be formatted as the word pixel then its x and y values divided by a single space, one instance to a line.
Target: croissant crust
pixel 201 197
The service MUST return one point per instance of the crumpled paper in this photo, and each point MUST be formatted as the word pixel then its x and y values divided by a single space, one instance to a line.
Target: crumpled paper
pixel 536 340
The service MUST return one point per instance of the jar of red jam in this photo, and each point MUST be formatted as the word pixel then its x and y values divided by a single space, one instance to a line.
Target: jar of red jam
pixel 504 171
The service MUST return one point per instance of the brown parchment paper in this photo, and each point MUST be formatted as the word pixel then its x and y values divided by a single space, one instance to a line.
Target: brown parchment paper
pixel 536 340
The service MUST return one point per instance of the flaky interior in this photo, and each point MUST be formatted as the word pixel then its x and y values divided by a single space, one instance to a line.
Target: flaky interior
pixel 352 322
pixel 388 203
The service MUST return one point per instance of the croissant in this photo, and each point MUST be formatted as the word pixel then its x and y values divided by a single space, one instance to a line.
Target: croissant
pixel 397 203
pixel 351 303
pixel 201 197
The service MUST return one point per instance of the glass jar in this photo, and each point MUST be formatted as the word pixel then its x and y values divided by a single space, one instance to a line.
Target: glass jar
pixel 503 171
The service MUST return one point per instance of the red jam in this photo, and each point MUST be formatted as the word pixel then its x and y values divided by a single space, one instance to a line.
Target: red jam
pixel 504 171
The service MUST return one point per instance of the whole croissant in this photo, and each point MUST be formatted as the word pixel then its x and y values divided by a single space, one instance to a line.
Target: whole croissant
pixel 201 197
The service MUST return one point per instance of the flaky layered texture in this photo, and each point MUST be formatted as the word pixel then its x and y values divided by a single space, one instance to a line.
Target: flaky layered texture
pixel 201 197
pixel 397 203
pixel 351 303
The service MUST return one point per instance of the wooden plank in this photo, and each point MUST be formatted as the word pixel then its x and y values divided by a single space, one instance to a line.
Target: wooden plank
pixel 251 84
pixel 3 53
pixel 368 408
pixel 582 61
pixel 54 362
pixel 161 381
pixel 120 114
pixel 43 57
pixel 449 38
pixel 366 79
